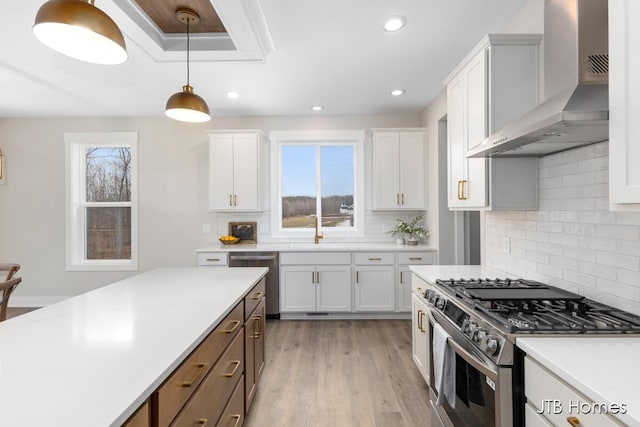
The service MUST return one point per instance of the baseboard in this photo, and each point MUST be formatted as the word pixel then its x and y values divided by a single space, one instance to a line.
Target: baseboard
pixel 18 301
pixel 344 316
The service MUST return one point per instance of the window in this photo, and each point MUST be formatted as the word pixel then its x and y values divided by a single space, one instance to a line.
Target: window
pixel 318 175
pixel 101 201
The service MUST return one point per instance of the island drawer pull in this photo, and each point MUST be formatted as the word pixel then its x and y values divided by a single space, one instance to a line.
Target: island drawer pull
pixel 401 277
pixel 233 371
pixel 415 258
pixel 202 421
pixel 257 295
pixel 237 417
pixel 375 259
pixel 235 326
pixel 187 384
pixel 257 325
pixel 574 421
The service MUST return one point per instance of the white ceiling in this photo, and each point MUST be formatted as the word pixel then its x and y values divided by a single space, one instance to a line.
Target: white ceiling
pixel 328 52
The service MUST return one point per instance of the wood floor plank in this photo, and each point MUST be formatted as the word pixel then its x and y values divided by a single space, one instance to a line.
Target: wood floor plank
pixel 339 373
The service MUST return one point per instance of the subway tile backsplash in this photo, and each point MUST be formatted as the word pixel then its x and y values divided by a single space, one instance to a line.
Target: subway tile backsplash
pixel 573 241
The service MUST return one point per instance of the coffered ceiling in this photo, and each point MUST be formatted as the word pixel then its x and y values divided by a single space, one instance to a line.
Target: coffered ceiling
pixel 281 56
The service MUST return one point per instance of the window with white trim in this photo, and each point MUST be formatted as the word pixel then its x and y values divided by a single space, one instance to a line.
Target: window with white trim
pixel 101 201
pixel 317 174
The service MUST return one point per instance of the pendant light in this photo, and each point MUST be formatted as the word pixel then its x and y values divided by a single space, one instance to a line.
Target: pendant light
pixel 186 106
pixel 78 29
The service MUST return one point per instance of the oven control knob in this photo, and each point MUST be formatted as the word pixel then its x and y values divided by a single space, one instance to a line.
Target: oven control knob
pixel 492 345
pixel 480 334
pixel 440 303
pixel 465 326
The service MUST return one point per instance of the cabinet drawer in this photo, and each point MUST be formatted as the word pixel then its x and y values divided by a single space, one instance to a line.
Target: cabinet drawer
pixel 208 259
pixel 141 418
pixel 374 258
pixel 416 258
pixel 177 389
pixel 212 396
pixel 315 258
pixel 541 385
pixel 233 414
pixel 253 298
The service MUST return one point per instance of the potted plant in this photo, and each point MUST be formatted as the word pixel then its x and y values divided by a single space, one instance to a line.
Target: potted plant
pixel 413 229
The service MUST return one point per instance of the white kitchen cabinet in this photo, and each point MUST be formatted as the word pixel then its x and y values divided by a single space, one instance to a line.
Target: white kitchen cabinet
pixel 308 286
pixel 541 385
pixel 420 336
pixel 375 281
pixel 495 84
pixel 405 259
pixel 236 162
pixel 624 104
pixel 399 169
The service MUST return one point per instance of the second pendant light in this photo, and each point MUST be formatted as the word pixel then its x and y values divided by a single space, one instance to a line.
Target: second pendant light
pixel 186 106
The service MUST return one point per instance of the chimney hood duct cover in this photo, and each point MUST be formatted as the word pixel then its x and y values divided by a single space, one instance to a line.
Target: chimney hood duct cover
pixel 576 111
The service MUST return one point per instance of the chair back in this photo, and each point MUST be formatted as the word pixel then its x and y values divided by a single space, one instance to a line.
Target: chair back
pixel 9 269
pixel 6 288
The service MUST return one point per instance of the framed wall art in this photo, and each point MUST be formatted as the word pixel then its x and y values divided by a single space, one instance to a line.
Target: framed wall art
pixel 247 232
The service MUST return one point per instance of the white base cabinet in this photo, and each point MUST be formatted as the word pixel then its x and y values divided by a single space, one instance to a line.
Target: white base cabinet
pixel 420 336
pixel 374 288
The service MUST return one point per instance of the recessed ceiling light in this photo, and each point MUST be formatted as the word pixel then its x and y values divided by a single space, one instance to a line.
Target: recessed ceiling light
pixel 317 108
pixel 232 94
pixel 397 92
pixel 394 23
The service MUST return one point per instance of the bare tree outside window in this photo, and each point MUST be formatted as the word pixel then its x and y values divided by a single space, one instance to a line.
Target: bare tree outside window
pixel 108 183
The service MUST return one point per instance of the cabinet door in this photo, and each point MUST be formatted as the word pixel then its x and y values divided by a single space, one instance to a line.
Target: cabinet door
pixel 221 171
pixel 254 352
pixel 412 170
pixel 333 288
pixel 419 340
pixel 386 159
pixel 374 288
pixel 624 102
pixel 475 189
pixel 297 289
pixel 245 171
pixel 456 99
pixel 404 288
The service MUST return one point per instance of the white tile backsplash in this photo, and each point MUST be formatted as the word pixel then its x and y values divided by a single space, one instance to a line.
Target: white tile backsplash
pixel 573 241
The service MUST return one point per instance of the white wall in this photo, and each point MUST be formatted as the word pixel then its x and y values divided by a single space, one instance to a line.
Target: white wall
pixel 173 175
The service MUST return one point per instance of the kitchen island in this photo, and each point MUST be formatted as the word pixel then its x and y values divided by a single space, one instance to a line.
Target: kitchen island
pixel 95 358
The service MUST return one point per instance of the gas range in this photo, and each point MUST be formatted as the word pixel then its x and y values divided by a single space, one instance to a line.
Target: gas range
pixel 492 312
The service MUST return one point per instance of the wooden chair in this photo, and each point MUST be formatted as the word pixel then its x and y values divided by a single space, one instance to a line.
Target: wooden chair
pixel 7 286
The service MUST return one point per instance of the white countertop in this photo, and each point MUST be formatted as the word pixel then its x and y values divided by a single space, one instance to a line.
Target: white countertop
pixel 94 358
pixel 310 246
pixel 604 369
pixel 430 273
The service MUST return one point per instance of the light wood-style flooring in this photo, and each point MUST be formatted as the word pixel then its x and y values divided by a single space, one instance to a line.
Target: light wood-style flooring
pixel 339 373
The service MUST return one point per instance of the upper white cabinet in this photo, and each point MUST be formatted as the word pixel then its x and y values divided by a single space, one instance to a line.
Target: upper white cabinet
pixel 235 170
pixel 624 104
pixel 399 169
pixel 495 84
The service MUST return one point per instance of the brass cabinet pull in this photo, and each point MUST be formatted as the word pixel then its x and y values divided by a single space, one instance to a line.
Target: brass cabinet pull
pixel 230 200
pixel 422 316
pixel 202 421
pixel 213 259
pixel 357 276
pixel 235 368
pixel 235 200
pixel 375 259
pixel 419 290
pixel 237 417
pixel 313 277
pixel 258 322
pixel 257 295
pixel 317 277
pixel 419 319
pixel 402 198
pixel 459 197
pixel 235 326
pixel 415 258
pixel 574 421
pixel 463 197
pixel 187 384
pixel 397 198
pixel 401 277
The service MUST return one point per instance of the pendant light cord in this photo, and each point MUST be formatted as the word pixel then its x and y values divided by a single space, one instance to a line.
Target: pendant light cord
pixel 188 22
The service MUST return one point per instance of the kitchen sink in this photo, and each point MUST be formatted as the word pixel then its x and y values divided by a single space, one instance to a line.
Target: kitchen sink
pixel 314 246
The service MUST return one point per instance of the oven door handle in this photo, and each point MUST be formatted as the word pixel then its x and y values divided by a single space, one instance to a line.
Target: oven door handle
pixel 468 357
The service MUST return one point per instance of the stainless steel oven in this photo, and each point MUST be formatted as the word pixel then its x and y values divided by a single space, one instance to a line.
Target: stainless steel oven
pixel 483 389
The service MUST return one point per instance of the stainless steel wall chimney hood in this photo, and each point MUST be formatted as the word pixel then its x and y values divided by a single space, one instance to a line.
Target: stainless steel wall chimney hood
pixel 576 74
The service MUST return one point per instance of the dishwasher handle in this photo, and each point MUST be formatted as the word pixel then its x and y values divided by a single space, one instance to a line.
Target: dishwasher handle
pixel 252 257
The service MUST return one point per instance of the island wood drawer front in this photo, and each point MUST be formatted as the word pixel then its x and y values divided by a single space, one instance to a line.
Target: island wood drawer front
pixel 315 258
pixel 177 389
pixel 209 401
pixel 212 259
pixel 374 258
pixel 141 418
pixel 233 415
pixel 416 258
pixel 253 298
pixel 541 386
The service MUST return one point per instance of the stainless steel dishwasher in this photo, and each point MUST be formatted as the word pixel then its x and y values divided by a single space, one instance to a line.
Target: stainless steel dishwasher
pixel 262 259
